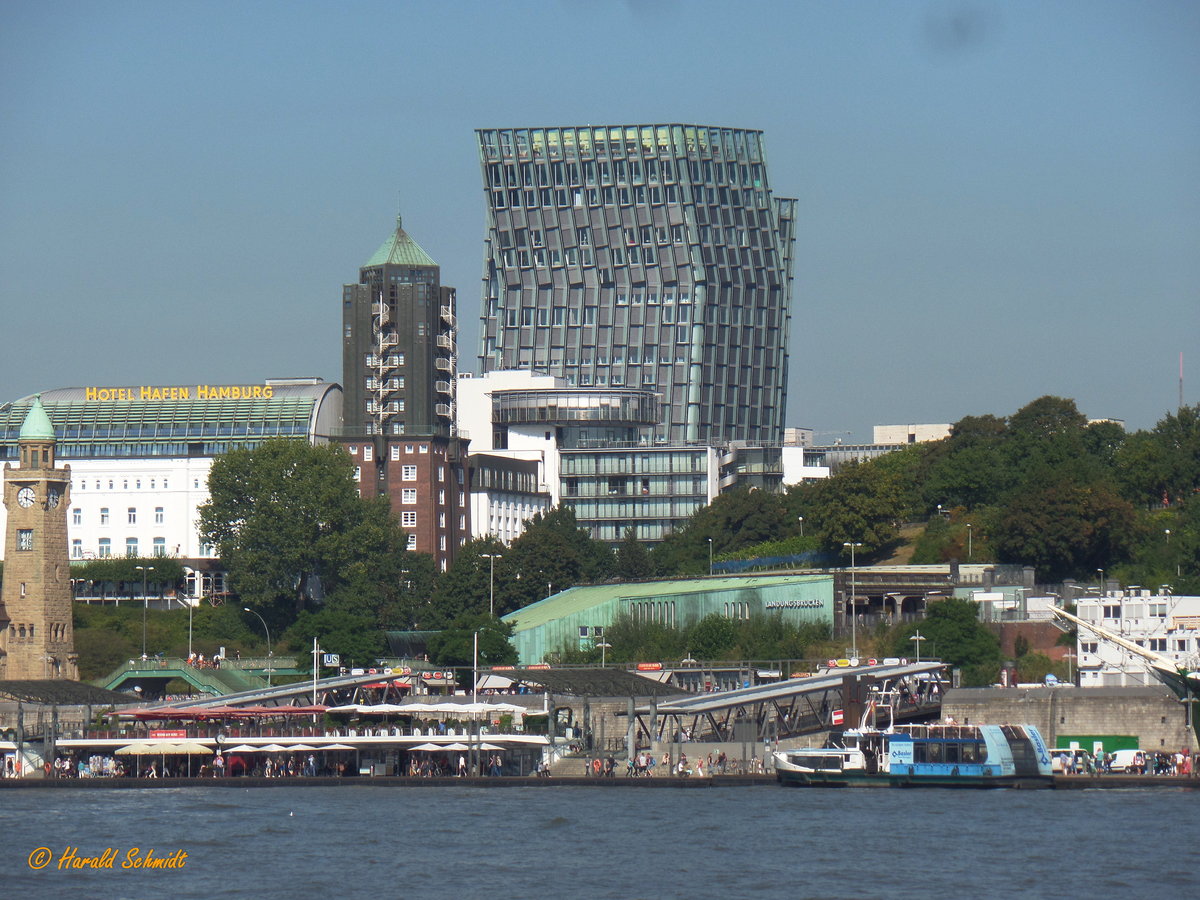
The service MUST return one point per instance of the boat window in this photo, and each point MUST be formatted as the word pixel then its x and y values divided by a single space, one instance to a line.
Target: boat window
pixel 919 755
pixel 952 752
pixel 934 751
pixel 974 752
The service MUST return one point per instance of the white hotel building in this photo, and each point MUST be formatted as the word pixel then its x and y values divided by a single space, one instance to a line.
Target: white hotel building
pixel 140 457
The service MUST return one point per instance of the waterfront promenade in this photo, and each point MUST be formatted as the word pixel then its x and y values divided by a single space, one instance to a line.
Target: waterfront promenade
pixel 1061 782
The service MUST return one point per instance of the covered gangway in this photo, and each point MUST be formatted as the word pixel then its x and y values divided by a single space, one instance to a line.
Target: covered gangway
pixel 831 699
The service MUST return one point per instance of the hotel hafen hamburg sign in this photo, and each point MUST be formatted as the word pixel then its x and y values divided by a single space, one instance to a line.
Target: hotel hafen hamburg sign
pixel 199 392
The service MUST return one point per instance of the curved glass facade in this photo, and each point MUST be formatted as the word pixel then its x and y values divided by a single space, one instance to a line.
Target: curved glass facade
pixel 201 420
pixel 564 407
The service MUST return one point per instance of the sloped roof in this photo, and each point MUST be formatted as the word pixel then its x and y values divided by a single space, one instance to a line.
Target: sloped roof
pixel 37 425
pixel 400 250
pixel 579 599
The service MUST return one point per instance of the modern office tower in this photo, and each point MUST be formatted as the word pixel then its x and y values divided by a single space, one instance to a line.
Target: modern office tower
pixel 398 372
pixel 653 257
pixel 398 343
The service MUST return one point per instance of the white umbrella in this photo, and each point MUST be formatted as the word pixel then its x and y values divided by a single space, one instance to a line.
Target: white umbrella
pixel 134 750
pixel 299 748
pixel 337 747
pixel 428 747
pixel 487 746
pixel 273 748
pixel 457 745
pixel 348 708
pixel 242 748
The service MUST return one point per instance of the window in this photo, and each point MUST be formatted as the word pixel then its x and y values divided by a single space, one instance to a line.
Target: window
pixel 408 495
pixel 105 548
pixel 423 448
pixel 358 473
pixel 158 515
pixel 104 515
pixel 408 473
pixel 412 542
pixel 160 546
pixel 25 539
pixel 408 519
pixel 76 549
pixel 131 546
pixel 132 515
pixel 77 516
pixel 441 473
pixel 368 453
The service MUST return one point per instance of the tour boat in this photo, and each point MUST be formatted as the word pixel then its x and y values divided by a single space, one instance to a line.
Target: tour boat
pixel 941 755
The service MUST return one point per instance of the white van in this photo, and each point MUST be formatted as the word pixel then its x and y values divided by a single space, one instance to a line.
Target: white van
pixel 1127 761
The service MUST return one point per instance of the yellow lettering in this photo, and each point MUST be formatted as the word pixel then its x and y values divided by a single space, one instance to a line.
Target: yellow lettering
pixel 258 391
pixel 90 393
pixel 268 391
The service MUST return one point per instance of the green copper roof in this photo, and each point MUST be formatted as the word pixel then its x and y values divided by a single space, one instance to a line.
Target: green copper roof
pixel 400 250
pixel 37 425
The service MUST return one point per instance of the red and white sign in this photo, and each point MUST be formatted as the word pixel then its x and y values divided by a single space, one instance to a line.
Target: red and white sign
pixel 838 717
pixel 169 733
pixel 649 667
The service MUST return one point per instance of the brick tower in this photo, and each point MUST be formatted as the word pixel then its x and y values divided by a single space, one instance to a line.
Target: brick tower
pixel 37 641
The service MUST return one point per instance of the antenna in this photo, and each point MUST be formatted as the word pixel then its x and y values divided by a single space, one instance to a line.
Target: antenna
pixel 1181 379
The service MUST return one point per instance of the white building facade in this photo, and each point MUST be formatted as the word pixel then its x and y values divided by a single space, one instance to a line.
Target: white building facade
pixel 1163 623
pixel 140 456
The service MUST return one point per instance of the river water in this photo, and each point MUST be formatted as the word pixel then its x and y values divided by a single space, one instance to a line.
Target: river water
pixel 613 842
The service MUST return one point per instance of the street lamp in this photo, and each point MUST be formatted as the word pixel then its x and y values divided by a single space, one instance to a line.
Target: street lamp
pixel 604 646
pixel 916 639
pixel 801 520
pixel 710 556
pixel 853 600
pixel 1101 573
pixel 268 631
pixel 145 603
pixel 491 558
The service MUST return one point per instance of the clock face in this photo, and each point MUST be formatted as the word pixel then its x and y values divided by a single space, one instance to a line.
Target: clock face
pixel 25 496
pixel 52 498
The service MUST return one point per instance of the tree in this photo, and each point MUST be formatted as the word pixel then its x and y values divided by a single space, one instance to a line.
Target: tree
pixel 455 645
pixel 953 631
pixel 1062 528
pixel 552 553
pixel 733 521
pixel 863 503
pixel 357 638
pixel 712 637
pixel 633 559
pixel 466 586
pixel 274 513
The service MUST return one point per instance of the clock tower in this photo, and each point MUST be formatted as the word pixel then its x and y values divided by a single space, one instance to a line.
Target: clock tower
pixel 37 641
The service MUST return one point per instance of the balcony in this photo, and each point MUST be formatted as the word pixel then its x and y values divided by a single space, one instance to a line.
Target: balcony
pixel 389 340
pixel 448 316
pixel 445 341
pixel 445 410
pixel 443 387
pixel 444 365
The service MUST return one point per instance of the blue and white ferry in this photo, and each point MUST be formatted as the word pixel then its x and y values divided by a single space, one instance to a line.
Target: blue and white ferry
pixel 941 755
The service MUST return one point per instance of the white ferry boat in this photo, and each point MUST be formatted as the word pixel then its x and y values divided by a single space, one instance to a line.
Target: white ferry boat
pixel 942 755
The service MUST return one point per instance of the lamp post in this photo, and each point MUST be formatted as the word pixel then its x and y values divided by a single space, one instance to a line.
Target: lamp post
pixel 800 519
pixel 145 603
pixel 1068 656
pixel 710 556
pixel 604 646
pixel 970 545
pixel 853 600
pixel 916 639
pixel 491 558
pixel 1100 572
pixel 268 631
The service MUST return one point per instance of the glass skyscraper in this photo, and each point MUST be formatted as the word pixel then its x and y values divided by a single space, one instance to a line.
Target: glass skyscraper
pixel 642 256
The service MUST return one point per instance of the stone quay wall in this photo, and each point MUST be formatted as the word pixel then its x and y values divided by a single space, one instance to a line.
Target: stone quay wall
pixel 1152 714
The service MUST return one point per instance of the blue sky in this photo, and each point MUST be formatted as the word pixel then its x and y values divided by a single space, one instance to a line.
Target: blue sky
pixel 998 200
